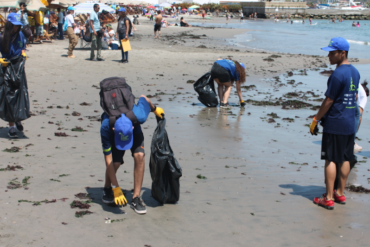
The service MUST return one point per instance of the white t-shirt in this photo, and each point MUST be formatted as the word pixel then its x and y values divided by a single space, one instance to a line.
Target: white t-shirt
pixel 70 20
pixel 362 97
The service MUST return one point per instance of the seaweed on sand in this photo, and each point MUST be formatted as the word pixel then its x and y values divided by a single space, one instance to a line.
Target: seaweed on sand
pixel 358 189
pixel 80 214
pixel 81 204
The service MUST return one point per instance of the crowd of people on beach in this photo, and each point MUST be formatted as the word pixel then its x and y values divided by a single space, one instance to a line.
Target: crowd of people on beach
pixel 340 113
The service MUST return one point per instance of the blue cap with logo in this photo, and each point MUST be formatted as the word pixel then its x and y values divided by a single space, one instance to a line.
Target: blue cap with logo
pixel 70 8
pixel 15 19
pixel 337 44
pixel 122 10
pixel 123 134
pixel 242 64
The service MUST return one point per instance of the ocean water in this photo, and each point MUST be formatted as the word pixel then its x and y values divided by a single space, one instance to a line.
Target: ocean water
pixel 297 37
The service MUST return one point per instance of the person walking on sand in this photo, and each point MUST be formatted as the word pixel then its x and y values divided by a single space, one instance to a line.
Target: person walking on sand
pixel 225 72
pixel 158 25
pixel 60 24
pixel 123 28
pixel 337 113
pixel 203 13
pixel 73 40
pixel 241 16
pixel 126 135
pixel 12 43
pixel 96 34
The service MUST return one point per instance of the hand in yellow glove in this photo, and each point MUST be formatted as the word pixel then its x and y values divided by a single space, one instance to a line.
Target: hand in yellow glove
pixel 24 54
pixel 119 198
pixel 3 62
pixel 159 112
pixel 242 103
pixel 313 127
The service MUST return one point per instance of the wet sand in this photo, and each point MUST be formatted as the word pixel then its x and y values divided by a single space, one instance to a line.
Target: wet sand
pixel 252 194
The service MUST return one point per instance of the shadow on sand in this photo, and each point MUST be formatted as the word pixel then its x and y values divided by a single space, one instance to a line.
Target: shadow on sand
pixel 308 192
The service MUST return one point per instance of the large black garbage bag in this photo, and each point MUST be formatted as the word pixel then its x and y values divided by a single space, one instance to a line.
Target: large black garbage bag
pixel 205 87
pixel 14 101
pixel 164 168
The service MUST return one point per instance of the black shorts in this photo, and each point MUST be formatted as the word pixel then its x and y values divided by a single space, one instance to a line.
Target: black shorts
pixel 157 27
pixel 220 73
pixel 137 147
pixel 337 148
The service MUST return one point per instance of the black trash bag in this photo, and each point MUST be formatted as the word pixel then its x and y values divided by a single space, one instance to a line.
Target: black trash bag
pixel 205 87
pixel 14 101
pixel 164 168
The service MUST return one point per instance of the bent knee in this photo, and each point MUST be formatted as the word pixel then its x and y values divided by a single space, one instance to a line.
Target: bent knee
pixel 139 155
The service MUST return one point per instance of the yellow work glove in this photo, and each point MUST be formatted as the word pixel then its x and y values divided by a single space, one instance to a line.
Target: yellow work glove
pixel 313 127
pixel 24 54
pixel 242 103
pixel 119 198
pixel 3 62
pixel 159 112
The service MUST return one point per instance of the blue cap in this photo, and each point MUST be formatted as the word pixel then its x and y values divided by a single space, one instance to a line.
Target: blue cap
pixel 122 10
pixel 336 44
pixel 15 19
pixel 123 134
pixel 70 8
pixel 242 64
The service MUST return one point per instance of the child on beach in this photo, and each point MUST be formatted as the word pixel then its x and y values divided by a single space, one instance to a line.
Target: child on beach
pixel 337 113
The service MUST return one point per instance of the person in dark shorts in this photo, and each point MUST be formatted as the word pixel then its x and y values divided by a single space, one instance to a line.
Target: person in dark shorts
pixel 115 141
pixel 158 25
pixel 225 72
pixel 337 113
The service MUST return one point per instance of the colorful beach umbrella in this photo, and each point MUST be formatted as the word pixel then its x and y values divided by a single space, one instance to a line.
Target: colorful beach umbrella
pixel 151 7
pixel 194 7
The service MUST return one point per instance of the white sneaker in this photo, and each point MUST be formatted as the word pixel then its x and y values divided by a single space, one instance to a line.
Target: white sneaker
pixel 357 148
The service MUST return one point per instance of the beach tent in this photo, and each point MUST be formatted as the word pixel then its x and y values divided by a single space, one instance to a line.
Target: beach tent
pixel 194 7
pixel 165 5
pixel 84 8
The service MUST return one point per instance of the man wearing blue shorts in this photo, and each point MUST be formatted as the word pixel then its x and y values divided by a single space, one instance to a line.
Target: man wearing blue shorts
pixel 115 141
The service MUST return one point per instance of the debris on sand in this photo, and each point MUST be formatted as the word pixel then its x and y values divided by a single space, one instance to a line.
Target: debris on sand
pixel 250 87
pixel 290 120
pixel 11 168
pixel 201 177
pixel 271 120
pixel 12 149
pixel 76 114
pixel 85 104
pixel 358 189
pixel 81 204
pixel 83 196
pixel 79 214
pixel 290 73
pixel 78 129
pixel 190 81
pixel 37 203
pixel 14 184
pixel 202 46
pixel 273 115
pixel 60 134
pixel 94 118
pixel 269 59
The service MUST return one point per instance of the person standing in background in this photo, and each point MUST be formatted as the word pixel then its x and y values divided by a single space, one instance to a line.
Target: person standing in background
pixel 39 23
pixel 73 40
pixel 60 24
pixel 95 34
pixel 122 30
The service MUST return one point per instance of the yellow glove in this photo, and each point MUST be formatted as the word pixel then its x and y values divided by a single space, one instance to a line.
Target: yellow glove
pixel 3 62
pixel 313 127
pixel 242 103
pixel 159 112
pixel 24 54
pixel 119 198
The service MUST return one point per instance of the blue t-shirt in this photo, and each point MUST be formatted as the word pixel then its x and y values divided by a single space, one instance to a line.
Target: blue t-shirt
pixel 342 88
pixel 16 47
pixel 61 18
pixel 230 67
pixel 141 111
pixel 24 18
pixel 96 23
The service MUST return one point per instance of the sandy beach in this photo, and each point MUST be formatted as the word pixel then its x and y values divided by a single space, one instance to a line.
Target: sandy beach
pixel 260 176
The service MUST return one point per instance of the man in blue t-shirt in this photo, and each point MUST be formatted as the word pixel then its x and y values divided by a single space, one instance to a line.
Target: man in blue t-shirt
pixel 115 141
pixel 95 34
pixel 337 113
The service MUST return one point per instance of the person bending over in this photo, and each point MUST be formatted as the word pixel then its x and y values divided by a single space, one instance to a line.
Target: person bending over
pixel 115 141
pixel 338 111
pixel 225 72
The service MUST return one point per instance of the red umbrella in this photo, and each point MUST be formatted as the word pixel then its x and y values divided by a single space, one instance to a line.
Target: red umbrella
pixel 184 9
pixel 151 7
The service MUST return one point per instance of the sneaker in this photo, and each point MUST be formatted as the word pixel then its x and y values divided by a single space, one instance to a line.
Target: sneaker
pixel 138 206
pixel 321 201
pixel 12 133
pixel 222 105
pixel 108 196
pixel 19 126
pixel 339 199
pixel 357 148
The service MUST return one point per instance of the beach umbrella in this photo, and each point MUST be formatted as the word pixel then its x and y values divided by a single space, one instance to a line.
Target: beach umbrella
pixel 8 3
pixel 156 5
pixel 194 7
pixel 84 8
pixel 184 9
pixel 165 5
pixel 168 7
pixel 34 5
pixel 151 7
